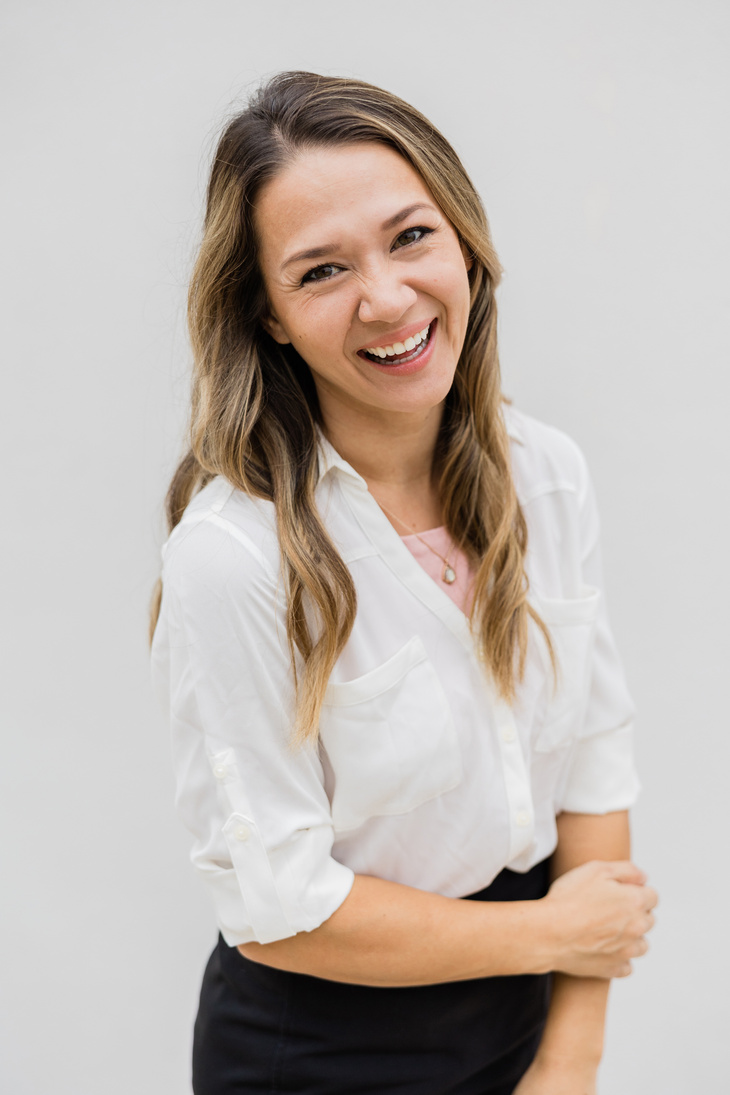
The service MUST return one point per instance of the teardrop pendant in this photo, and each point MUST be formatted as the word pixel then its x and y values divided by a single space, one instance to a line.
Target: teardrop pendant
pixel 449 574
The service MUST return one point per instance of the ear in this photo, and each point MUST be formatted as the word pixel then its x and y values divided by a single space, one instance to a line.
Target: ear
pixel 272 326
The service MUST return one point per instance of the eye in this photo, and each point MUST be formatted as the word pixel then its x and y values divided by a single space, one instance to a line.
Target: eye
pixel 320 273
pixel 412 235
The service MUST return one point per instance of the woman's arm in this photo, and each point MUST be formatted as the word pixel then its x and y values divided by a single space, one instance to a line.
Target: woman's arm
pixel 572 1044
pixel 387 934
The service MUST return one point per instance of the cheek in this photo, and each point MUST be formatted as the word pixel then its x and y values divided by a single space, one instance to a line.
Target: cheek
pixel 450 274
pixel 299 318
pixel 314 337
pixel 453 289
pixel 322 323
pixel 317 339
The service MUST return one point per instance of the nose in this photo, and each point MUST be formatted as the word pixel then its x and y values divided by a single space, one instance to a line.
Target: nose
pixel 384 296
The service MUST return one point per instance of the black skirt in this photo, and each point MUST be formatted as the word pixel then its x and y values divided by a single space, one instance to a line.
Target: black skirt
pixel 264 1031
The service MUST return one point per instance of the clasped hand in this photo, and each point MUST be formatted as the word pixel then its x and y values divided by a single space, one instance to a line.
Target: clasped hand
pixel 600 913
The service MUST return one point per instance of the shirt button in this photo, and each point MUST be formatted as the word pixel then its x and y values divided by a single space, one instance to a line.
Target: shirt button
pixel 242 833
pixel 508 733
pixel 220 771
pixel 522 818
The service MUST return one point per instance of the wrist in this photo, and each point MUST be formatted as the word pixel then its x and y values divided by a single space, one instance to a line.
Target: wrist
pixel 512 938
pixel 545 941
pixel 536 933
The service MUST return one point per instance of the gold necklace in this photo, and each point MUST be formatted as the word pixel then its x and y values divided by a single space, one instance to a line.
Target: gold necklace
pixel 448 574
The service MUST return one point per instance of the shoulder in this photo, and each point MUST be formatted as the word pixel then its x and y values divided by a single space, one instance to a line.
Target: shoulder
pixel 544 458
pixel 225 539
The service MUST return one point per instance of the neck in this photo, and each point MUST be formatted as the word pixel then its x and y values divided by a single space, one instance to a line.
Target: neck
pixel 397 453
pixel 394 454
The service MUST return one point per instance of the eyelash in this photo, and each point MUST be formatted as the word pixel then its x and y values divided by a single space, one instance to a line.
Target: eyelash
pixel 327 265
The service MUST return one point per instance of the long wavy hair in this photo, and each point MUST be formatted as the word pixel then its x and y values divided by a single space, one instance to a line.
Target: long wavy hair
pixel 255 414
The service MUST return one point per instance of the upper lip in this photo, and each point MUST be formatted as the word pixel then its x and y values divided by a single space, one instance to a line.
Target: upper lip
pixel 397 336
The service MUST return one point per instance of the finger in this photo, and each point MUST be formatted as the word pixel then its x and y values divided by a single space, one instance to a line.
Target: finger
pixel 649 922
pixel 623 870
pixel 651 897
pixel 625 971
pixel 641 946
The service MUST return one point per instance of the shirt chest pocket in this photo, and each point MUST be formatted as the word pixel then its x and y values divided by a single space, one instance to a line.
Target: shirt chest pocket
pixel 572 626
pixel 390 739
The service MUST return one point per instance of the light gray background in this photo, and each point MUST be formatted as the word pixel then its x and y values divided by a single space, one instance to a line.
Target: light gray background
pixel 597 134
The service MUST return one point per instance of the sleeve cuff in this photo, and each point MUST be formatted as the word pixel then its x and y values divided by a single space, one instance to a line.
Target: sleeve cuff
pixel 602 777
pixel 261 899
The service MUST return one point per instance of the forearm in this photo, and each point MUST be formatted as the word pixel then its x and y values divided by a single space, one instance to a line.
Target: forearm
pixel 583 837
pixel 576 1020
pixel 386 934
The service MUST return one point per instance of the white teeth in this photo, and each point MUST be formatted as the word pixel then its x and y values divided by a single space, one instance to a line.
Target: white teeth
pixel 400 347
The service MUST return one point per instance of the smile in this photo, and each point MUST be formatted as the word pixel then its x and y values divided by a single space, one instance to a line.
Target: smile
pixel 401 352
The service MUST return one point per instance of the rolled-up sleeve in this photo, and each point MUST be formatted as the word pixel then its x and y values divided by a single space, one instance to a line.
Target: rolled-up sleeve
pixel 256 807
pixel 602 775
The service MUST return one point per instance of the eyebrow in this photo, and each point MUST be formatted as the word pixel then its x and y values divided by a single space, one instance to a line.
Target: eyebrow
pixel 328 248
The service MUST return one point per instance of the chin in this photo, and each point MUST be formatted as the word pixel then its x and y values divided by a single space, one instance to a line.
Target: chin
pixel 425 400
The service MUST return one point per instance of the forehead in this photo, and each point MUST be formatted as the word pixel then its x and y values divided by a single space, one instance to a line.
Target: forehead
pixel 327 195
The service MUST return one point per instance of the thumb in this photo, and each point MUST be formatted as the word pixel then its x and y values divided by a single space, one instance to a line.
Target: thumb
pixel 623 870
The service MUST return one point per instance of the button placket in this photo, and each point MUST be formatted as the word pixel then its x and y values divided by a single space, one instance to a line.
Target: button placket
pixel 517 781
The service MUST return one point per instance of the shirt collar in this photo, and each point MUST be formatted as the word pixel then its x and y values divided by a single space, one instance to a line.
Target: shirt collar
pixel 329 458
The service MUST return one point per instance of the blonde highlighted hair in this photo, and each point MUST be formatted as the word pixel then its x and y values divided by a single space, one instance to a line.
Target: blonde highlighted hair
pixel 255 414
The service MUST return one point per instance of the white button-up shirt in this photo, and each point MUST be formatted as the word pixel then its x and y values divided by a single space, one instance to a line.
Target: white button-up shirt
pixel 423 775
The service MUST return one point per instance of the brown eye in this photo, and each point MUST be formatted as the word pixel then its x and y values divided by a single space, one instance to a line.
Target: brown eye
pixel 412 235
pixel 320 273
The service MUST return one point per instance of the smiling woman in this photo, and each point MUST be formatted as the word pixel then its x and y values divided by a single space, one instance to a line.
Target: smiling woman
pixel 402 743
pixel 346 314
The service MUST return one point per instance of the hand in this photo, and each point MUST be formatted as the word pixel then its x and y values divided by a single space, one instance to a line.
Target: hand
pixel 600 912
pixel 543 1078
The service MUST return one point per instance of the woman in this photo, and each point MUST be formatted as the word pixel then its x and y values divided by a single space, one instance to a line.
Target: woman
pixel 402 741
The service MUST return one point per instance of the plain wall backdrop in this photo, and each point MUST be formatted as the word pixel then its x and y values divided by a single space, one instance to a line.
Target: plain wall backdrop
pixel 597 133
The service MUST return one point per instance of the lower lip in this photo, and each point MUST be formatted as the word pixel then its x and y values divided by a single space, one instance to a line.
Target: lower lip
pixel 405 368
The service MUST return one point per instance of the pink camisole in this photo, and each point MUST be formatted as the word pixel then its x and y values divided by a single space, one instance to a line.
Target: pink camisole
pixel 460 591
